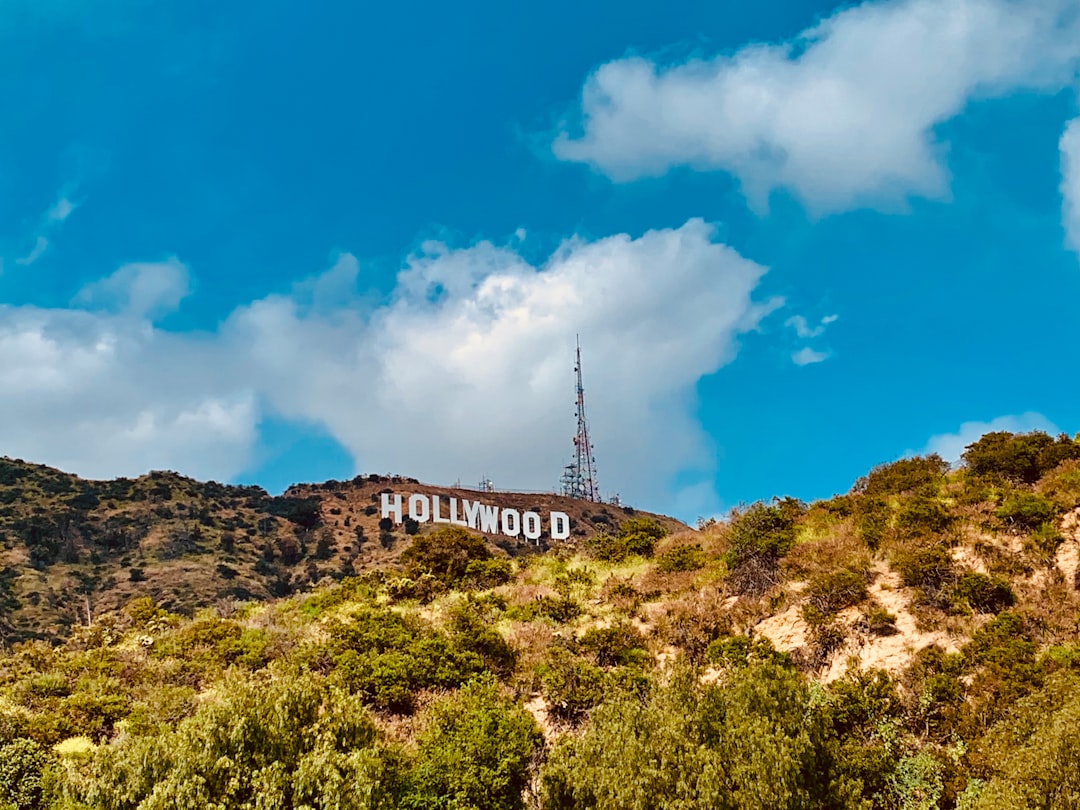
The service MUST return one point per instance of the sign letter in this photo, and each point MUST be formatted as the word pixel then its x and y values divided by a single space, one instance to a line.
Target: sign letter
pixel 391 507
pixel 489 518
pixel 472 512
pixel 530 524
pixel 560 526
pixel 507 522
pixel 418 508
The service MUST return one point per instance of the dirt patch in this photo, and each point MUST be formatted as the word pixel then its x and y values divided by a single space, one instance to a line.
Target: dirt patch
pixel 891 653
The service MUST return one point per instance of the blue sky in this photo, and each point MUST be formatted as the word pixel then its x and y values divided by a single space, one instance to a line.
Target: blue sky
pixel 279 242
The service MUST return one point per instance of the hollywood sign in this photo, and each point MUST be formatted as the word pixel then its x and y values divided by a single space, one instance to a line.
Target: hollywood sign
pixel 474 515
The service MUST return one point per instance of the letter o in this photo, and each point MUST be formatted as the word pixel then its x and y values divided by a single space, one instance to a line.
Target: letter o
pixel 419 508
pixel 530 524
pixel 516 530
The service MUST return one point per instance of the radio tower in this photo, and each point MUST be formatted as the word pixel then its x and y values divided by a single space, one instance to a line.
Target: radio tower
pixel 579 477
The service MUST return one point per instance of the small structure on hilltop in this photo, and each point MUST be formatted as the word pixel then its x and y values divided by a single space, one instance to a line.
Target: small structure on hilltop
pixel 579 476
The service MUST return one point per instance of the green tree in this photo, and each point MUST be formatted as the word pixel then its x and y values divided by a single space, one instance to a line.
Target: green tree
pixel 755 741
pixel 287 741
pixel 21 765
pixel 474 753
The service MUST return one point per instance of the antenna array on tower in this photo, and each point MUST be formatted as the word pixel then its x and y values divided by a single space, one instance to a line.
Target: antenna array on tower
pixel 579 477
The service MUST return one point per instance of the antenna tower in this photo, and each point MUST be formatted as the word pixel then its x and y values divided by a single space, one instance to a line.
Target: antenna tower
pixel 579 477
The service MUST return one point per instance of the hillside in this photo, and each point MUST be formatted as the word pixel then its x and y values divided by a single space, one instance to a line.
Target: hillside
pixel 70 548
pixel 912 643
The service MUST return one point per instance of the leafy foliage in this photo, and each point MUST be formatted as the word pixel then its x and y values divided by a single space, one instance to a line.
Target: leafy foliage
pixel 757 538
pixel 1019 457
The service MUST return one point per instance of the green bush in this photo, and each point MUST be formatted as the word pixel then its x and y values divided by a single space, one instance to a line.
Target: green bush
pixel 475 751
pixel 922 474
pixel 387 658
pixel 445 553
pixel 923 517
pixel 640 534
pixel 21 765
pixel 1020 457
pixel 616 645
pixel 483 574
pixel 1062 485
pixel 928 567
pixel 830 592
pixel 570 685
pixel 681 558
pixel 754 742
pixel 984 594
pixel 636 536
pixel 872 517
pixel 1026 510
pixel 289 741
pixel 757 538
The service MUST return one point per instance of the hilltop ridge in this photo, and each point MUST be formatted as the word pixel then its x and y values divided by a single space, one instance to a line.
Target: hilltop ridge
pixel 70 547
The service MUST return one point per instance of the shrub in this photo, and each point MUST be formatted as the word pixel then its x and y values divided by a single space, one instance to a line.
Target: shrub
pixel 570 685
pixel 681 558
pixel 640 534
pixel 984 594
pixel 21 766
pixel 635 536
pixel 1062 485
pixel 475 751
pixel 872 516
pixel 445 553
pixel 1020 457
pixel 929 567
pixel 285 742
pixel 615 645
pixel 877 620
pixel 1026 510
pixel 923 474
pixel 756 741
pixel 386 658
pixel 483 574
pixel 922 517
pixel 758 537
pixel 831 592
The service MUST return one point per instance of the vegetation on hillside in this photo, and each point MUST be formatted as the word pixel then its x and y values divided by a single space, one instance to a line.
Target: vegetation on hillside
pixel 914 643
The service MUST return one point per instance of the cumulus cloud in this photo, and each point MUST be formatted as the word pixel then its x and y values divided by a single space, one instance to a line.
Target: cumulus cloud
pixel 466 369
pixel 1070 183
pixel 106 395
pixel 843 115
pixel 469 368
pixel 950 446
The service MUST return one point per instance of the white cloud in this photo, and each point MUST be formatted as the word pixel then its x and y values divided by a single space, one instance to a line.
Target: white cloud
pixel 950 446
pixel 807 356
pixel 143 290
pixel 105 395
pixel 1070 183
pixel 41 244
pixel 842 116
pixel 469 368
pixel 61 210
pixel 466 370
pixel 804 330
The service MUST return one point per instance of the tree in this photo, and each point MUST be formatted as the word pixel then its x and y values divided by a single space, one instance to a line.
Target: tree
pixel 474 752
pixel 288 741
pixel 752 742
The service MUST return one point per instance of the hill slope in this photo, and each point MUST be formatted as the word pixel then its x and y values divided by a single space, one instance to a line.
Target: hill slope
pixel 70 547
pixel 914 642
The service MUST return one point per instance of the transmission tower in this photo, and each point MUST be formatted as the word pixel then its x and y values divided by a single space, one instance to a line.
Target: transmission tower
pixel 579 477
